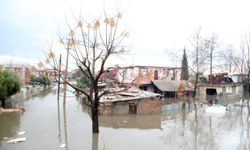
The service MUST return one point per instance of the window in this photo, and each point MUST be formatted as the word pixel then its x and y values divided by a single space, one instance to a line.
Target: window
pixel 132 109
pixel 156 75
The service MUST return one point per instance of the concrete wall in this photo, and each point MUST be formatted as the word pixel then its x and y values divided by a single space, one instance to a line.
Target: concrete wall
pixel 149 106
pixel 143 106
pixel 221 89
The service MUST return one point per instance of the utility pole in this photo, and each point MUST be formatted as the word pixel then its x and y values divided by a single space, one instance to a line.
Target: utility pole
pixel 66 74
pixel 58 102
pixel 59 80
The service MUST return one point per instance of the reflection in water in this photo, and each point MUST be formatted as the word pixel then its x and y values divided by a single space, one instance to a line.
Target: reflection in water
pixel 171 111
pixel 151 121
pixel 18 99
pixel 196 125
pixel 9 123
pixel 190 130
pixel 65 127
pixel 66 144
pixel 95 141
pixel 183 116
pixel 59 119
pixel 45 92
pixel 211 130
pixel 179 126
pixel 244 123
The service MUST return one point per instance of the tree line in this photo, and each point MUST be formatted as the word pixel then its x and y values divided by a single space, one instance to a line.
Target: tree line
pixel 9 85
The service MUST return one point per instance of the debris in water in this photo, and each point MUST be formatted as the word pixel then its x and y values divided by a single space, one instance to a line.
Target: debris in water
pixel 21 132
pixel 8 110
pixel 241 103
pixel 63 145
pixel 5 138
pixel 216 109
pixel 17 140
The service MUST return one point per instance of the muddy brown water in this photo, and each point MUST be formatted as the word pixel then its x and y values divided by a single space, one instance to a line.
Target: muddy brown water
pixel 178 127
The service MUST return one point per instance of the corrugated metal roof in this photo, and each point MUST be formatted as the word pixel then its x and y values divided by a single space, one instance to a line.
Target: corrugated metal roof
pixel 172 86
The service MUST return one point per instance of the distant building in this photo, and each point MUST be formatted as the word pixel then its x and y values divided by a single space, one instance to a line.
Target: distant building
pixel 50 73
pixel 144 74
pixel 23 72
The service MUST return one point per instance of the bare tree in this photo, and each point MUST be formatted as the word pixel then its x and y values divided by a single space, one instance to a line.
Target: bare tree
pixel 247 46
pixel 197 43
pixel 210 46
pixel 197 55
pixel 241 58
pixel 228 58
pixel 244 58
pixel 91 44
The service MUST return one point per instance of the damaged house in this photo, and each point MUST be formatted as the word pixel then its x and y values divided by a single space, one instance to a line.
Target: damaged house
pixel 143 74
pixel 169 88
pixel 132 101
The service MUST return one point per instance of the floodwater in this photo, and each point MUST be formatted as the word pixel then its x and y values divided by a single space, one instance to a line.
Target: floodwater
pixel 54 127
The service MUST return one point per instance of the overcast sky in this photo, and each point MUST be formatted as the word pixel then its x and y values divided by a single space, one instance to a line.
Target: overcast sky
pixel 26 26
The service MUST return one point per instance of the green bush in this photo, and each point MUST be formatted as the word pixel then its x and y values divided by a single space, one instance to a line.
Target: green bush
pixel 9 85
pixel 83 82
pixel 41 80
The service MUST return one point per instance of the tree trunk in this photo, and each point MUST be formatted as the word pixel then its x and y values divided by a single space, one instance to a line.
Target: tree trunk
pixel 195 85
pixel 95 120
pixel 211 67
pixel 3 103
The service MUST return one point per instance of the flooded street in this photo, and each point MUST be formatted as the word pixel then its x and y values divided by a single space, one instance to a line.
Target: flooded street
pixel 48 125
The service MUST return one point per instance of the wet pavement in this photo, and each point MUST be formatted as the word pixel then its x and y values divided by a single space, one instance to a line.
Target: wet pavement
pixel 179 126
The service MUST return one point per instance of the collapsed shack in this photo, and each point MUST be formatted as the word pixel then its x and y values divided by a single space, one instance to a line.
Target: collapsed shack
pixel 132 101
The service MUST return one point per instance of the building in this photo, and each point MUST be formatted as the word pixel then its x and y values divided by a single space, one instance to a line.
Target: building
pixel 144 74
pixel 23 72
pixel 50 73
pixel 169 88
pixel 132 101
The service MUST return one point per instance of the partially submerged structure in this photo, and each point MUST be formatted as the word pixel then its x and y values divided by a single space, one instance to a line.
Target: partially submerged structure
pixel 221 84
pixel 169 88
pixel 132 101
pixel 211 91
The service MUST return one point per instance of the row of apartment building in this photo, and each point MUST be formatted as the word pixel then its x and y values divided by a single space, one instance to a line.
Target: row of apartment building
pixel 24 72
pixel 143 74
